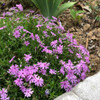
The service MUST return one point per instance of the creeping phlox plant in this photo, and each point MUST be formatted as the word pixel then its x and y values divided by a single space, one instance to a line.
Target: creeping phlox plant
pixel 44 62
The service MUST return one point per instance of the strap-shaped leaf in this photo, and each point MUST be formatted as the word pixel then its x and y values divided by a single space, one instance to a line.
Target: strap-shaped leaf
pixel 63 7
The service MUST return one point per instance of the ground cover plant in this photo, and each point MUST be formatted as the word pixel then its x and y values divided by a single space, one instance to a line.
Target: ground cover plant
pixel 38 61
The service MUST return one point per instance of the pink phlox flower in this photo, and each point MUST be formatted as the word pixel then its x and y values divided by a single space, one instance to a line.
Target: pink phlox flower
pixel 37 38
pixel 60 40
pixel 17 19
pixel 65 84
pixel 3 94
pixel 2 17
pixel 87 59
pixel 27 57
pixel 16 34
pixel 14 69
pixel 32 36
pixel 23 88
pixel 44 65
pixel 83 75
pixel 69 35
pixel 70 51
pixel 70 64
pixel 27 15
pixel 45 33
pixel 12 8
pixel 18 82
pixel 59 49
pixel 19 6
pixel 62 62
pixel 43 71
pixel 47 50
pixel 26 31
pixel 54 43
pixel 26 43
pixel 22 73
pixel 83 50
pixel 84 66
pixel 30 78
pixel 78 55
pixel 78 69
pixel 31 11
pixel 61 27
pixel 62 70
pixel 12 59
pixel 9 13
pixel 39 81
pixel 19 27
pixel 28 92
pixel 46 19
pixel 53 33
pixel 39 25
pixel 57 57
pixel 54 18
pixel 48 27
pixel 2 27
pixel 30 70
pixel 52 71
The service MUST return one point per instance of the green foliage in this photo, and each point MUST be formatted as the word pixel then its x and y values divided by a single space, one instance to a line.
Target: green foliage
pixel 75 14
pixel 51 8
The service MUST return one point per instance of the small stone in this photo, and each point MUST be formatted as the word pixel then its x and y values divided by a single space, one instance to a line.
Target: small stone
pixel 93 46
pixel 98 53
pixel 90 34
pixel 86 27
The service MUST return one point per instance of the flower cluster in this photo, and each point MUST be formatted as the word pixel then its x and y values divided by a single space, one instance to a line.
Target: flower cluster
pixel 43 57
pixel 3 94
pixel 29 75
pixel 57 46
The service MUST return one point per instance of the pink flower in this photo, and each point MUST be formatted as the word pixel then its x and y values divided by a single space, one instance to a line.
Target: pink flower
pixel 32 36
pixel 27 57
pixel 20 7
pixel 28 92
pixel 78 55
pixel 39 25
pixel 53 34
pixel 2 27
pixel 52 71
pixel 18 82
pixel 64 84
pixel 16 34
pixel 26 43
pixel 3 94
pixel 14 70
pixel 87 60
pixel 39 81
pixel 12 59
pixel 62 70
pixel 54 43
pixel 48 27
pixel 59 49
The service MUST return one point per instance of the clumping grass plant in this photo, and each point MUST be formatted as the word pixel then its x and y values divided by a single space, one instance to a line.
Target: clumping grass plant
pixel 38 61
pixel 51 8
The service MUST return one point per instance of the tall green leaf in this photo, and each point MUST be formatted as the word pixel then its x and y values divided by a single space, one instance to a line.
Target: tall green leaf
pixel 51 8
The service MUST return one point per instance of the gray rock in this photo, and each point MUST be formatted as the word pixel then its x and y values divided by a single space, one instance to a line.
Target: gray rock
pixel 68 96
pixel 89 89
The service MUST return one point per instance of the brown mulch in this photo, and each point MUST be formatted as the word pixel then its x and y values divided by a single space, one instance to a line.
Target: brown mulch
pixel 87 32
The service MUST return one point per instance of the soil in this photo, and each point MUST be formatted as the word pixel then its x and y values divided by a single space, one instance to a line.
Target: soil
pixel 86 30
